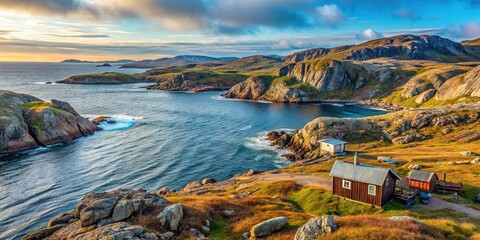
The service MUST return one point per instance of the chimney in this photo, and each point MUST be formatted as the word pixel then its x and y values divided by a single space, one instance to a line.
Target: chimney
pixel 355 159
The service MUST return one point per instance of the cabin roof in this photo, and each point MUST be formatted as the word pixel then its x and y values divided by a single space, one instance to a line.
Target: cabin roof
pixel 332 141
pixel 361 173
pixel 421 176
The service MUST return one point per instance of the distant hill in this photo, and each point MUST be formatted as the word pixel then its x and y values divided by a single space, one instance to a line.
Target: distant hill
pixel 122 61
pixel 404 47
pixel 177 61
pixel 252 63
pixel 472 47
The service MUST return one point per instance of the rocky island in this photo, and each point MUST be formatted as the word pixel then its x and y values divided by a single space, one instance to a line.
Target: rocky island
pixel 102 78
pixel 27 122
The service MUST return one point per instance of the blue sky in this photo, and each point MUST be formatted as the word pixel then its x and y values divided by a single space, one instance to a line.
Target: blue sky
pixel 51 30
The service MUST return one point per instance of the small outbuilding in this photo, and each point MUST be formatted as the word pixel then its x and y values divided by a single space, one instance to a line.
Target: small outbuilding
pixel 362 183
pixel 332 146
pixel 422 181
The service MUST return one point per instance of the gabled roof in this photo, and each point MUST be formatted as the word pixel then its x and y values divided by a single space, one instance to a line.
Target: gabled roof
pixel 361 173
pixel 421 176
pixel 332 141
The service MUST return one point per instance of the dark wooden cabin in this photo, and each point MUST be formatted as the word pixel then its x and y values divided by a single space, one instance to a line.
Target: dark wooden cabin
pixel 367 184
pixel 422 181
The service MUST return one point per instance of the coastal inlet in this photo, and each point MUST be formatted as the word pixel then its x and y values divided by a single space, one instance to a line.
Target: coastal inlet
pixel 175 138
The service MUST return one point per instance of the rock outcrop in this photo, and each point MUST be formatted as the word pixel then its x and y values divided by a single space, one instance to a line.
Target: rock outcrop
pixel 101 215
pixel 28 122
pixel 103 78
pixel 269 227
pixel 316 227
pixel 467 84
pixel 171 216
pixel 253 88
pixel 324 75
pixel 400 127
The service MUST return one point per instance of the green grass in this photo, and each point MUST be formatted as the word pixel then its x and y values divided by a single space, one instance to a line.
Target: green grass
pixel 220 229
pixel 319 202
pixel 109 75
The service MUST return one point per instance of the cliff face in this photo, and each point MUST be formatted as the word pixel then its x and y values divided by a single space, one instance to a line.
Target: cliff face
pixel 306 55
pixel 467 84
pixel 325 75
pixel 400 127
pixel 252 88
pixel 27 122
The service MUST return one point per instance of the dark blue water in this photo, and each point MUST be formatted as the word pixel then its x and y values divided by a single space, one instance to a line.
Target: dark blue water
pixel 178 138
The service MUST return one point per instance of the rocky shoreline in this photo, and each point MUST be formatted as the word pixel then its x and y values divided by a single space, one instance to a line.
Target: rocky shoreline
pixel 28 122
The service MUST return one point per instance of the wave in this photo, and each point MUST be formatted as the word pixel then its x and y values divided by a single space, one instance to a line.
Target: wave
pixel 246 128
pixel 46 83
pixel 242 100
pixel 262 144
pixel 122 122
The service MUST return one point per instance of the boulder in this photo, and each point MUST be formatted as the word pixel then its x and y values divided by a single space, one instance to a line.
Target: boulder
pixel 425 96
pixel 468 153
pixel 208 181
pixel 269 227
pixel 114 206
pixel 167 236
pixel 64 218
pixel 42 233
pixel 252 172
pixel 163 191
pixel 228 213
pixel 414 167
pixel 192 186
pixel 316 227
pixel 196 234
pixel 476 161
pixel 171 216
pixel 120 230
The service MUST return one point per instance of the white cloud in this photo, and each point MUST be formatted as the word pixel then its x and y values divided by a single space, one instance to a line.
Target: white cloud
pixel 368 34
pixel 330 15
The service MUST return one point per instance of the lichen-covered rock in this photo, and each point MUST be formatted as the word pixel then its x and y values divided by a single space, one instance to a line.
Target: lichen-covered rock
pixel 27 122
pixel 316 227
pixel 192 186
pixel 269 227
pixel 42 233
pixel 171 217
pixel 117 231
pixel 252 88
pixel 64 218
pixel 208 181
pixel 114 206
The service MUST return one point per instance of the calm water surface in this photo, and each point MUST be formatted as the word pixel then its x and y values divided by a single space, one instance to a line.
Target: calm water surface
pixel 176 138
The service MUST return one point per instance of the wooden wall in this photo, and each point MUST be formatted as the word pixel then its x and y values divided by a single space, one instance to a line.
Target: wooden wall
pixel 423 186
pixel 358 191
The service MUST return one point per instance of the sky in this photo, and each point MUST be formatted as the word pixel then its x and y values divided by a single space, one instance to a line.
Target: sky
pixel 53 30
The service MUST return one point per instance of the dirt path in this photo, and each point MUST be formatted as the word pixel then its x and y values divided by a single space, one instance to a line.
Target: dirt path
pixel 437 203
pixel 326 183
pixel 302 179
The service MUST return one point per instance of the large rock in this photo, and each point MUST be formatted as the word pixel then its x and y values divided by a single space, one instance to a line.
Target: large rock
pixel 269 227
pixel 467 84
pixel 64 218
pixel 106 207
pixel 252 88
pixel 117 231
pixel 171 217
pixel 42 233
pixel 425 96
pixel 316 227
pixel 27 122
pixel 192 186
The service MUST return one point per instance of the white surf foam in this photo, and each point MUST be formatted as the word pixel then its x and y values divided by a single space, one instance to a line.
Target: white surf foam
pixel 122 122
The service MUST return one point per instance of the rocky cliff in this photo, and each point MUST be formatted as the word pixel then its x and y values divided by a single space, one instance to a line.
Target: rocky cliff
pixel 103 78
pixel 27 122
pixel 401 127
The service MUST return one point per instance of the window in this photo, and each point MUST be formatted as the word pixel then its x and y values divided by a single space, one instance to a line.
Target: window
pixel 372 189
pixel 346 184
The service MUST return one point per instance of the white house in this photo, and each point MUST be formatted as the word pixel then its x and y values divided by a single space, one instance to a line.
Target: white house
pixel 332 146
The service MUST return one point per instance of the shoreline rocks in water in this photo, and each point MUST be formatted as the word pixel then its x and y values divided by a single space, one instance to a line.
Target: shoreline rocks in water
pixel 27 122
